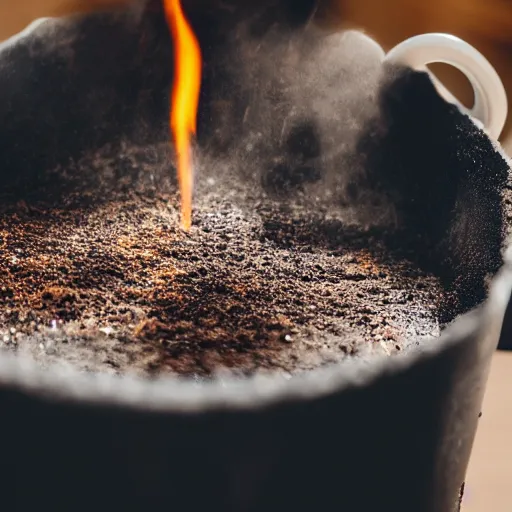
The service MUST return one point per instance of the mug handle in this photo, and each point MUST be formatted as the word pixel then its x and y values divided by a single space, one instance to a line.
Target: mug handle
pixel 490 107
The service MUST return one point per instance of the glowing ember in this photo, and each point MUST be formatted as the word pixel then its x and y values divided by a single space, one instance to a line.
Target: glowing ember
pixel 185 97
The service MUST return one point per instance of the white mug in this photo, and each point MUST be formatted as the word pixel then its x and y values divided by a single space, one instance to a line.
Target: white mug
pixel 490 106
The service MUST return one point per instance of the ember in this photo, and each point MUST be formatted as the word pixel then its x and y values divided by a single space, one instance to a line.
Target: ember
pixel 185 97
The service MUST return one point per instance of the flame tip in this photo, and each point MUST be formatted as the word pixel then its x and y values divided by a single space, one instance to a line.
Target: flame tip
pixel 184 100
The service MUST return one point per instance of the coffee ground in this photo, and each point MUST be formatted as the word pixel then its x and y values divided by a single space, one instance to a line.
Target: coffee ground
pixel 97 273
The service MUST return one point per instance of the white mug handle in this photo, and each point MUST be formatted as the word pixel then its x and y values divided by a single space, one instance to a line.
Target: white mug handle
pixel 490 107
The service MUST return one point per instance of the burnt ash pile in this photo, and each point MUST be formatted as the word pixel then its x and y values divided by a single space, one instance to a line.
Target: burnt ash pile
pixel 326 223
pixel 255 285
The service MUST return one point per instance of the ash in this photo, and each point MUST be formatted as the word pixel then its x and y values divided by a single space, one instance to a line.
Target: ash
pixel 106 280
pixel 330 217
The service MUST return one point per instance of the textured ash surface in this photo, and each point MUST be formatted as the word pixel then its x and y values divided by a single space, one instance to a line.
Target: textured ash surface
pixel 104 279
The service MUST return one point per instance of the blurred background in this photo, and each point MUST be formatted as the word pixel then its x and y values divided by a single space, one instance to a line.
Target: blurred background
pixel 486 24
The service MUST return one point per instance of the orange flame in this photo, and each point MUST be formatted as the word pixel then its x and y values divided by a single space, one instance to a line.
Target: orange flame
pixel 184 101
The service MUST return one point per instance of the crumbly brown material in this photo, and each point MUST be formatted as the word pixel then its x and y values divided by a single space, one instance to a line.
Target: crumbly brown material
pixel 103 278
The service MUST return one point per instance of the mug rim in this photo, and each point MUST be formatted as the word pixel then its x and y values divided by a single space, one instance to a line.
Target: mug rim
pixel 175 395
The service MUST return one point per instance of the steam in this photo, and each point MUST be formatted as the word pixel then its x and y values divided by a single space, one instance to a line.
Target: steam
pixel 302 102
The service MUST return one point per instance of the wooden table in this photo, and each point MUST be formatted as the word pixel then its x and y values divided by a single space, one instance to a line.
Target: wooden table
pixel 489 481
